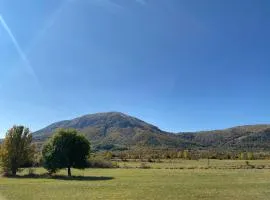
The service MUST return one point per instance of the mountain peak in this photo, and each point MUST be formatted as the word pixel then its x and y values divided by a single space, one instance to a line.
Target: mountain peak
pixel 107 130
pixel 113 128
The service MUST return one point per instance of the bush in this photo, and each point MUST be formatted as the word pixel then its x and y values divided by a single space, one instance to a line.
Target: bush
pixel 101 163
pixel 260 166
pixel 144 166
pixel 31 171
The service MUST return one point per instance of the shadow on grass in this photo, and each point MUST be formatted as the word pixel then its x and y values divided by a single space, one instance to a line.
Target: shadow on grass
pixel 62 177
pixel 83 178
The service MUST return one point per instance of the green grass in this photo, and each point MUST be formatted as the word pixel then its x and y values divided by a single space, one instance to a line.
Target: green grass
pixel 184 184
pixel 197 164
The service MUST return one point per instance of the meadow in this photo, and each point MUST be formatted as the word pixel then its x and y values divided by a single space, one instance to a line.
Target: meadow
pixel 197 164
pixel 178 179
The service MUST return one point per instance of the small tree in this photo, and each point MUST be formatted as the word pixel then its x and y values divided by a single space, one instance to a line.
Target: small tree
pixel 186 154
pixel 250 156
pixel 180 154
pixel 66 149
pixel 243 156
pixel 108 155
pixel 17 149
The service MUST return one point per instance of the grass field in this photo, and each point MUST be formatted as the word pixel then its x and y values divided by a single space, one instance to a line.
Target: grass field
pixel 154 183
pixel 198 164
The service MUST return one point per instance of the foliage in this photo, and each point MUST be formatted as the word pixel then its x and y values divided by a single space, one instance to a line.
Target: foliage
pixel 119 132
pixel 108 155
pixel 250 156
pixel 101 163
pixel 186 155
pixel 67 149
pixel 17 149
pixel 115 131
pixel 149 153
pixel 144 166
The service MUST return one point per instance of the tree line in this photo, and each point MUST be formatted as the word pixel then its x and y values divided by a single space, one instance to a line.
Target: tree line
pixel 66 149
pixel 187 154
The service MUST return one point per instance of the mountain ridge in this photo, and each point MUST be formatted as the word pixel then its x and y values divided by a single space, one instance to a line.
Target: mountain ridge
pixel 108 130
pixel 114 129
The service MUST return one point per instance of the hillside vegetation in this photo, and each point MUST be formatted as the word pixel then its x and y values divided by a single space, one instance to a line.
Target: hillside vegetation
pixel 115 130
pixel 251 137
pixel 118 131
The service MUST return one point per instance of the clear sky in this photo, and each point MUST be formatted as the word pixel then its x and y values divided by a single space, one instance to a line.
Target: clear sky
pixel 182 65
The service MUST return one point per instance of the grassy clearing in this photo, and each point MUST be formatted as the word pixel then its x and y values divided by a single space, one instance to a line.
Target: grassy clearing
pixel 190 184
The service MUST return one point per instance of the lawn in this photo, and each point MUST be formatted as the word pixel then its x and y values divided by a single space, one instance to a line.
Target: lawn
pixel 190 184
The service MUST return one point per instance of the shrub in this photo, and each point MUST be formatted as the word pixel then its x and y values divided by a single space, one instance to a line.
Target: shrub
pixel 144 166
pixel 31 171
pixel 101 163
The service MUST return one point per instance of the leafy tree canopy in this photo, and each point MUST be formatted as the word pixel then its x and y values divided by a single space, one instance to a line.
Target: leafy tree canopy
pixel 67 149
pixel 17 149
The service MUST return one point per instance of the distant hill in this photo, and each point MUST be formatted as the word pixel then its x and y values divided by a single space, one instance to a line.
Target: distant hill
pixel 114 130
pixel 250 137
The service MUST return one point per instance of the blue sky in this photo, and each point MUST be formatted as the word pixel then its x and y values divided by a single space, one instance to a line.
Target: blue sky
pixel 182 65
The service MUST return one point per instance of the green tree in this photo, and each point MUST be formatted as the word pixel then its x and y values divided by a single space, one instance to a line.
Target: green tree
pixel 108 155
pixel 250 156
pixel 67 149
pixel 180 154
pixel 17 149
pixel 186 155
pixel 243 156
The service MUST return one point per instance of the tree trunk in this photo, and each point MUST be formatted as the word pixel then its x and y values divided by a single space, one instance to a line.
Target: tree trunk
pixel 13 171
pixel 69 172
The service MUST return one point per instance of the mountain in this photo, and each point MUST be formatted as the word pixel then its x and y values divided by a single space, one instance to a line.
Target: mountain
pixel 249 137
pixel 114 130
